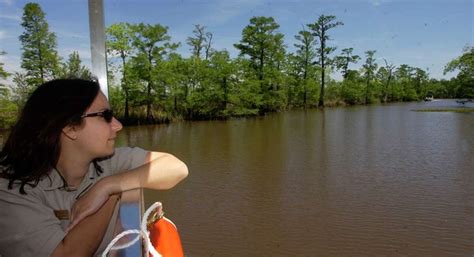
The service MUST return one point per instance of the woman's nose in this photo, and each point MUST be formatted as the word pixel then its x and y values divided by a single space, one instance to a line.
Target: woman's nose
pixel 116 125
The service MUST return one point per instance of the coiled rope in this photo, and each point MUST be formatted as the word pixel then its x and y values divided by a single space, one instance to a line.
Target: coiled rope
pixel 143 233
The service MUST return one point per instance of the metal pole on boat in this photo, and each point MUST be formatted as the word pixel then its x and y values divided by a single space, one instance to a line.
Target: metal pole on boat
pixel 97 35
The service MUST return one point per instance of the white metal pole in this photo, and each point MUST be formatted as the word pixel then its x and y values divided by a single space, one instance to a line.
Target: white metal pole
pixel 97 34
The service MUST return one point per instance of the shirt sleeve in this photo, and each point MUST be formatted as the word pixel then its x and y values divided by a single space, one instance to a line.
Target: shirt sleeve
pixel 127 158
pixel 27 226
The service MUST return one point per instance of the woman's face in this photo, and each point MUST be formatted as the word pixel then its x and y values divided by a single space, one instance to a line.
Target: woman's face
pixel 97 136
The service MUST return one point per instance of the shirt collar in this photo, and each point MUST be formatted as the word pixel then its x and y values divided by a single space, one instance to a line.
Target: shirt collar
pixel 54 181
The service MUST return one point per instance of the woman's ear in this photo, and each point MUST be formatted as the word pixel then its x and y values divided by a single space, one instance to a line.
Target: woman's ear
pixel 70 132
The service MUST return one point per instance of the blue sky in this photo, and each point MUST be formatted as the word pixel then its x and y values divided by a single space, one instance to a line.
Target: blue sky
pixel 425 34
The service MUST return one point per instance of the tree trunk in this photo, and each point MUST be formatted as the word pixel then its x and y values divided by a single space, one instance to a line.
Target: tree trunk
pixel 148 102
pixel 367 91
pixel 323 68
pixel 224 83
pixel 125 89
pixel 385 99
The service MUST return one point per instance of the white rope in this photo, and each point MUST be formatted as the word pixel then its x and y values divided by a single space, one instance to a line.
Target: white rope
pixel 143 232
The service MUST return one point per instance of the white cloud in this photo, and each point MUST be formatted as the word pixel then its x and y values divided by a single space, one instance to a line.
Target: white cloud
pixel 11 62
pixel 375 2
pixel 7 2
pixel 379 2
pixel 10 17
pixel 7 36
pixel 70 34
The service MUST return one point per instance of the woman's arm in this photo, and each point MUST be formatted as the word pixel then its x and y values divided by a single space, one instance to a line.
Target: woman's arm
pixel 84 238
pixel 160 171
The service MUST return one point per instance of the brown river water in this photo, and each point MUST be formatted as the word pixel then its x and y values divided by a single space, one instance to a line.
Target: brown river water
pixel 360 181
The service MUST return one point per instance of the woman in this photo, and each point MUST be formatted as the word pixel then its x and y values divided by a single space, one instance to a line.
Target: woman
pixel 61 177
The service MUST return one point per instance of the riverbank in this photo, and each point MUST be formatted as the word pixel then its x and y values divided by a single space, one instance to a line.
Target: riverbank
pixel 160 118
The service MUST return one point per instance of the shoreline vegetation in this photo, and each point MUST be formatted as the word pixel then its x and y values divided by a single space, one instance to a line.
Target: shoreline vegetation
pixel 150 83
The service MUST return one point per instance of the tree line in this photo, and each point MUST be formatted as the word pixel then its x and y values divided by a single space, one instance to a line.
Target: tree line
pixel 150 82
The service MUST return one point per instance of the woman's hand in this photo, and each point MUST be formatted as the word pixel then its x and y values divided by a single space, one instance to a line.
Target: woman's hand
pixel 89 203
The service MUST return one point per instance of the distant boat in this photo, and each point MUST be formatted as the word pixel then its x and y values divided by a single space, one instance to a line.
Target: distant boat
pixel 429 98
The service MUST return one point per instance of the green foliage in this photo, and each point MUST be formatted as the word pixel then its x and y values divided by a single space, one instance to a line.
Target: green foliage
pixel 223 73
pixel 174 87
pixel 152 45
pixel 465 78
pixel 405 91
pixel 302 69
pixel 385 77
pixel 333 93
pixel 150 83
pixel 410 94
pixel 119 45
pixel 73 68
pixel 369 69
pixel 39 58
pixel 263 45
pixel 464 63
pixel 320 30
pixel 201 42
pixel 245 100
pixel 8 112
pixel 342 61
pixel 21 89
pixel 174 74
pixel 8 108
pixel 3 73
pixel 352 92
pixel 119 40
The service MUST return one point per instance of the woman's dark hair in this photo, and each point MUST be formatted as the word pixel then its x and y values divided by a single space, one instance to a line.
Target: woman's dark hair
pixel 32 149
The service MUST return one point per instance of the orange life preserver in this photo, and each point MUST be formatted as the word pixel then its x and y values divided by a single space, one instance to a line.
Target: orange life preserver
pixel 164 236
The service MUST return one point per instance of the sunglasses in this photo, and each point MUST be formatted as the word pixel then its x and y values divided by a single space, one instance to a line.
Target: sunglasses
pixel 107 114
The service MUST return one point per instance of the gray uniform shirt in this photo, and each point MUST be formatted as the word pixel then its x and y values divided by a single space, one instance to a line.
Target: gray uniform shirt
pixel 29 224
